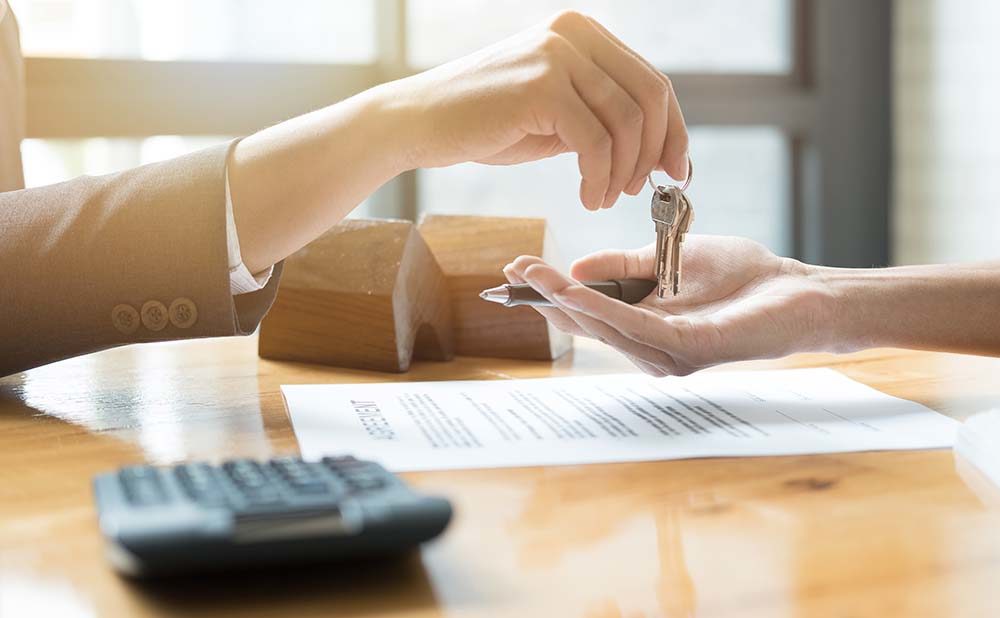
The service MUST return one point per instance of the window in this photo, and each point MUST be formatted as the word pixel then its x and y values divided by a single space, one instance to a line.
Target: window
pixel 314 31
pixel 789 123
pixel 48 161
pixel 733 164
pixel 751 36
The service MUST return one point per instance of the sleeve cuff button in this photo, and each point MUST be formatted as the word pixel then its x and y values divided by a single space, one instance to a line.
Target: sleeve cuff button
pixel 125 319
pixel 183 313
pixel 154 315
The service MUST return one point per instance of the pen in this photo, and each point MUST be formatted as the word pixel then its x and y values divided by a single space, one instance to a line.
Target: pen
pixel 630 291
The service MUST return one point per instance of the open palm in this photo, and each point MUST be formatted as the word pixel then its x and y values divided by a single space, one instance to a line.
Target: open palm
pixel 737 301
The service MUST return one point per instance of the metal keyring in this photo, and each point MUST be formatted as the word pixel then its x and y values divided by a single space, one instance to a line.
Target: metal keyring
pixel 687 181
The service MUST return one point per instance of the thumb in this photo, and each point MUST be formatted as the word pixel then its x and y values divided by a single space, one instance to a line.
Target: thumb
pixel 615 264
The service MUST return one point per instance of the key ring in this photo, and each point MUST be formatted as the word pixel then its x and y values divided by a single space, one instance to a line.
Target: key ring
pixel 687 181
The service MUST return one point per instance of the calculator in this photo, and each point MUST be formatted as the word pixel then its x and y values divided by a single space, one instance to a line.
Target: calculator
pixel 244 513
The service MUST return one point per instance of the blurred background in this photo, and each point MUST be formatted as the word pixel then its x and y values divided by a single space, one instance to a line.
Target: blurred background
pixel 851 132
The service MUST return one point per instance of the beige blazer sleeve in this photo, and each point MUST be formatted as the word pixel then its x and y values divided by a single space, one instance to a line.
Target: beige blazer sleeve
pixel 98 262
pixel 11 102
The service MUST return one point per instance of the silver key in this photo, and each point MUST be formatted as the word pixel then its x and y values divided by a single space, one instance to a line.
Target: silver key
pixel 663 210
pixel 672 215
pixel 684 220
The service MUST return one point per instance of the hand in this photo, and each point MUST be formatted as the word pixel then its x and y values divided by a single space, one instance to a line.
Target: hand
pixel 566 86
pixel 738 301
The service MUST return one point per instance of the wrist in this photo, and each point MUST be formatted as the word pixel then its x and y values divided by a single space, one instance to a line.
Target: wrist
pixel 850 313
pixel 294 180
pixel 402 123
pixel 823 302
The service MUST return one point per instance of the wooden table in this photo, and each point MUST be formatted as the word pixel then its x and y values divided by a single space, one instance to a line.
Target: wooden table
pixel 872 534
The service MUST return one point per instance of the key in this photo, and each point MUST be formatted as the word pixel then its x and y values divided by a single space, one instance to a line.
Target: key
pixel 672 215
pixel 684 220
pixel 663 210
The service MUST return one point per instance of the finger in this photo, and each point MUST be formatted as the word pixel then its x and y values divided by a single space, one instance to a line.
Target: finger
pixel 619 113
pixel 583 133
pixel 616 264
pixel 564 321
pixel 670 333
pixel 647 368
pixel 621 44
pixel 648 86
pixel 554 315
pixel 551 284
pixel 607 334
pixel 674 158
pixel 674 151
pixel 673 148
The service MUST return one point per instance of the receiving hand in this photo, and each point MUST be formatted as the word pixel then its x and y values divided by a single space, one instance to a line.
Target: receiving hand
pixel 738 301
pixel 566 86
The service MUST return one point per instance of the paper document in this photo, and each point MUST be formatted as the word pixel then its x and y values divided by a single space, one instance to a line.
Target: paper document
pixel 606 418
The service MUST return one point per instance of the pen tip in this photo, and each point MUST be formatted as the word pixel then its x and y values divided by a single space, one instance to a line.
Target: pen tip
pixel 498 294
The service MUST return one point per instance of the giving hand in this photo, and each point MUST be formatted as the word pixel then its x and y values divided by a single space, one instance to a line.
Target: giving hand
pixel 567 85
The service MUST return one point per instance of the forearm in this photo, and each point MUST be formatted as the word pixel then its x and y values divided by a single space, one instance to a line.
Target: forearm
pixel 293 181
pixel 944 307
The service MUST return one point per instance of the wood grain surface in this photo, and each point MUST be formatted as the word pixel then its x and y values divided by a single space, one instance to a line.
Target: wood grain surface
pixel 867 534
pixel 368 294
pixel 472 252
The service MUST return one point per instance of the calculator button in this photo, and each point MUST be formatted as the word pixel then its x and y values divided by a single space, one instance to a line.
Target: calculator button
pixel 367 484
pixel 246 474
pixel 343 465
pixel 334 461
pixel 265 496
pixel 142 485
pixel 294 469
pixel 303 478
pixel 198 483
pixel 364 478
pixel 317 487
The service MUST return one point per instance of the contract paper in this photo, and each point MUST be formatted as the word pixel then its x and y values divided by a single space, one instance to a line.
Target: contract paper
pixel 606 418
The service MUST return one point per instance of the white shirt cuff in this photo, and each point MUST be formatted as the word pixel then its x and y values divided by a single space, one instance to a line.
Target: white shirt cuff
pixel 241 280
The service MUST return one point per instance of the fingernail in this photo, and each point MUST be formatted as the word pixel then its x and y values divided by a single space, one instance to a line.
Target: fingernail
pixel 566 301
pixel 590 202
